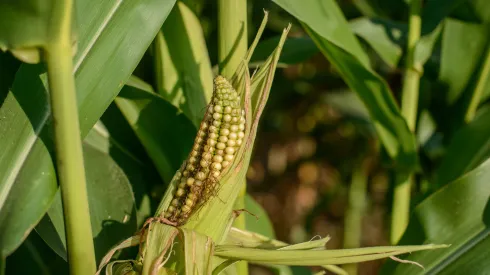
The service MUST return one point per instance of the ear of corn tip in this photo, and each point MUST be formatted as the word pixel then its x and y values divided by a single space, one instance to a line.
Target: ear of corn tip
pixel 219 136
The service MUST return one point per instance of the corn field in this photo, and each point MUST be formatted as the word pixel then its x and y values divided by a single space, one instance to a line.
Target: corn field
pixel 244 137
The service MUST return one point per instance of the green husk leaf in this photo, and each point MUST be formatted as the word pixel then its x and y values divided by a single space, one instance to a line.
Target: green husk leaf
pixel 249 239
pixel 313 258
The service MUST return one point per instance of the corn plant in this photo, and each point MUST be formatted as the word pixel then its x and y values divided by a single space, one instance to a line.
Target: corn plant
pixel 116 103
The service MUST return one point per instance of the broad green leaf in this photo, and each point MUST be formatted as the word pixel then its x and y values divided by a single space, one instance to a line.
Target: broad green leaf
pixel 296 50
pixel 260 223
pixel 8 67
pixel 469 147
pixel 326 25
pixel 327 20
pixel 477 11
pixel 457 214
pixel 436 11
pixel 182 66
pixel 120 141
pixel 27 26
pixel 462 47
pixel 166 133
pixel 384 36
pixel 35 257
pixel 113 37
pixel 111 201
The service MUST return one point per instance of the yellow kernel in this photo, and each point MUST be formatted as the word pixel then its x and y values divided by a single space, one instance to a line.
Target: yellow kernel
pixel 225 163
pixel 171 208
pixel 216 123
pixel 227 118
pixel 213 129
pixel 231 143
pixel 233 136
pixel 216 166
pixel 175 202
pixel 217 158
pixel 241 134
pixel 211 142
pixel 228 157
pixel 189 202
pixel 186 209
pixel 200 176
pixel 218 108
pixel 190 181
pixel 221 146
pixel 217 116
pixel 204 163
pixel 220 152
pixel 224 132
pixel 234 128
pixel 198 183
pixel 207 156
pixel 228 110
pixel 180 192
pixel 223 139
pixel 167 215
pixel 239 142
pixel 230 150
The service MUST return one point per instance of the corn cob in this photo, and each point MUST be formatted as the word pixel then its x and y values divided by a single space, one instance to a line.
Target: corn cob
pixel 219 137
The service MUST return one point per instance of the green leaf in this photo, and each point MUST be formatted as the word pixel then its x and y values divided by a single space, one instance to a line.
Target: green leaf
pixel 111 201
pixel 113 37
pixel 458 214
pixel 8 67
pixel 477 11
pixel 26 27
pixel 460 60
pixel 182 66
pixel 35 257
pixel 384 36
pixel 296 50
pixel 261 223
pixel 469 147
pixel 326 25
pixel 436 11
pixel 165 132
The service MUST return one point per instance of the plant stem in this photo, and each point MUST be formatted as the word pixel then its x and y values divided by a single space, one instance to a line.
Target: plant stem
pixel 232 35
pixel 69 156
pixel 410 96
pixel 480 86
pixel 355 212
pixel 232 49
